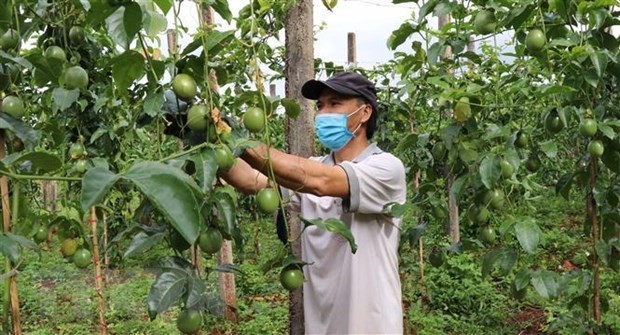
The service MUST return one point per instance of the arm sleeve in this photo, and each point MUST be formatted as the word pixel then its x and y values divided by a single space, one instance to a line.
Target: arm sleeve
pixel 373 183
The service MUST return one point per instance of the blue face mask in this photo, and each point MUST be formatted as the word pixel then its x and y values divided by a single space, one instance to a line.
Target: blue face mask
pixel 332 130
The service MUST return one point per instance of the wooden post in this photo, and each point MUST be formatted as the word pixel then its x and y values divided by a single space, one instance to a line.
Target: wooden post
pixel 172 41
pixel 351 49
pixel 443 20
pixel 11 304
pixel 592 216
pixel 272 90
pixel 103 328
pixel 228 291
pixel 453 228
pixel 299 67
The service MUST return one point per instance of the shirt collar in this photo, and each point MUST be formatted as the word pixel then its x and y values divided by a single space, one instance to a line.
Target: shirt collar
pixel 370 150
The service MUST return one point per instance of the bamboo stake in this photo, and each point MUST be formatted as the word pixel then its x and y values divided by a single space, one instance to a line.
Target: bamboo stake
pixel 105 253
pixel 17 325
pixel 98 284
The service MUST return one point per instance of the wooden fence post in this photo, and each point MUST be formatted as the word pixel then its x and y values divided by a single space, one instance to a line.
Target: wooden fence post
pixel 299 67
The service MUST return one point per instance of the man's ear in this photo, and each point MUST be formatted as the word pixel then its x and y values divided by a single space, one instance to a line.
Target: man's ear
pixel 367 112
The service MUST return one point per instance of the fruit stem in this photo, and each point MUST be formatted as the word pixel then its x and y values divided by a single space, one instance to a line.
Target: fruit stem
pixel 16 14
pixel 147 55
pixel 183 153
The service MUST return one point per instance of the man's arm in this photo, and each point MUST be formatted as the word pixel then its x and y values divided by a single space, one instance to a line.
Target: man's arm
pixel 298 173
pixel 245 178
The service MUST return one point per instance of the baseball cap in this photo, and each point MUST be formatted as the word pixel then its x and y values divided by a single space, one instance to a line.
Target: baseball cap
pixel 347 83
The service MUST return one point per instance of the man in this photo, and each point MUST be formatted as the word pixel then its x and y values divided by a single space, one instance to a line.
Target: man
pixel 344 293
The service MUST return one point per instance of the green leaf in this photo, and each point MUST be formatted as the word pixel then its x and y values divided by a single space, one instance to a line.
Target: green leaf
pixel 611 159
pixel 335 226
pixel 98 11
pixel 18 60
pixel 63 99
pixel 291 107
pixel 96 183
pixel 205 164
pixel 490 170
pixel 563 185
pixel 143 241
pixel 599 61
pixel 603 250
pixel 196 288
pixel 164 5
pixel 518 15
pixel 550 148
pixel 467 154
pixel 217 40
pixel 606 130
pixel 132 20
pixel 20 129
pixel 44 70
pixel 545 283
pixel 23 242
pixel 154 103
pixel 409 141
pixel 557 89
pixel 119 31
pixel 154 23
pixel 505 256
pixel 226 207
pixel 597 16
pixel 166 291
pixel 400 35
pixel 427 8
pixel 127 68
pixel 41 161
pixel 221 7
pixel 591 77
pixel 412 235
pixel 459 186
pixel 527 232
pixel 9 248
pixel 434 51
pixel 172 192
pixel 522 279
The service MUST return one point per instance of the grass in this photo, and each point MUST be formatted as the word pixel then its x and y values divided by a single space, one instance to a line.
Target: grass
pixel 58 298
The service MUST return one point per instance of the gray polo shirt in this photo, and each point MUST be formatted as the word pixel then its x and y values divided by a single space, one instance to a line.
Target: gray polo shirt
pixel 346 293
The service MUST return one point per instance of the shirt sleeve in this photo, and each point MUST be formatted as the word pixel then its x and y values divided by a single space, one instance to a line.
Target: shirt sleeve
pixel 374 183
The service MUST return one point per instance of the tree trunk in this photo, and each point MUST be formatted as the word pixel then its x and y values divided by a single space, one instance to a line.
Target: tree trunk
pixel 299 132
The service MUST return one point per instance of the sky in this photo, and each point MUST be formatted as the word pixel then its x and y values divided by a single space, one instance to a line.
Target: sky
pixel 371 20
